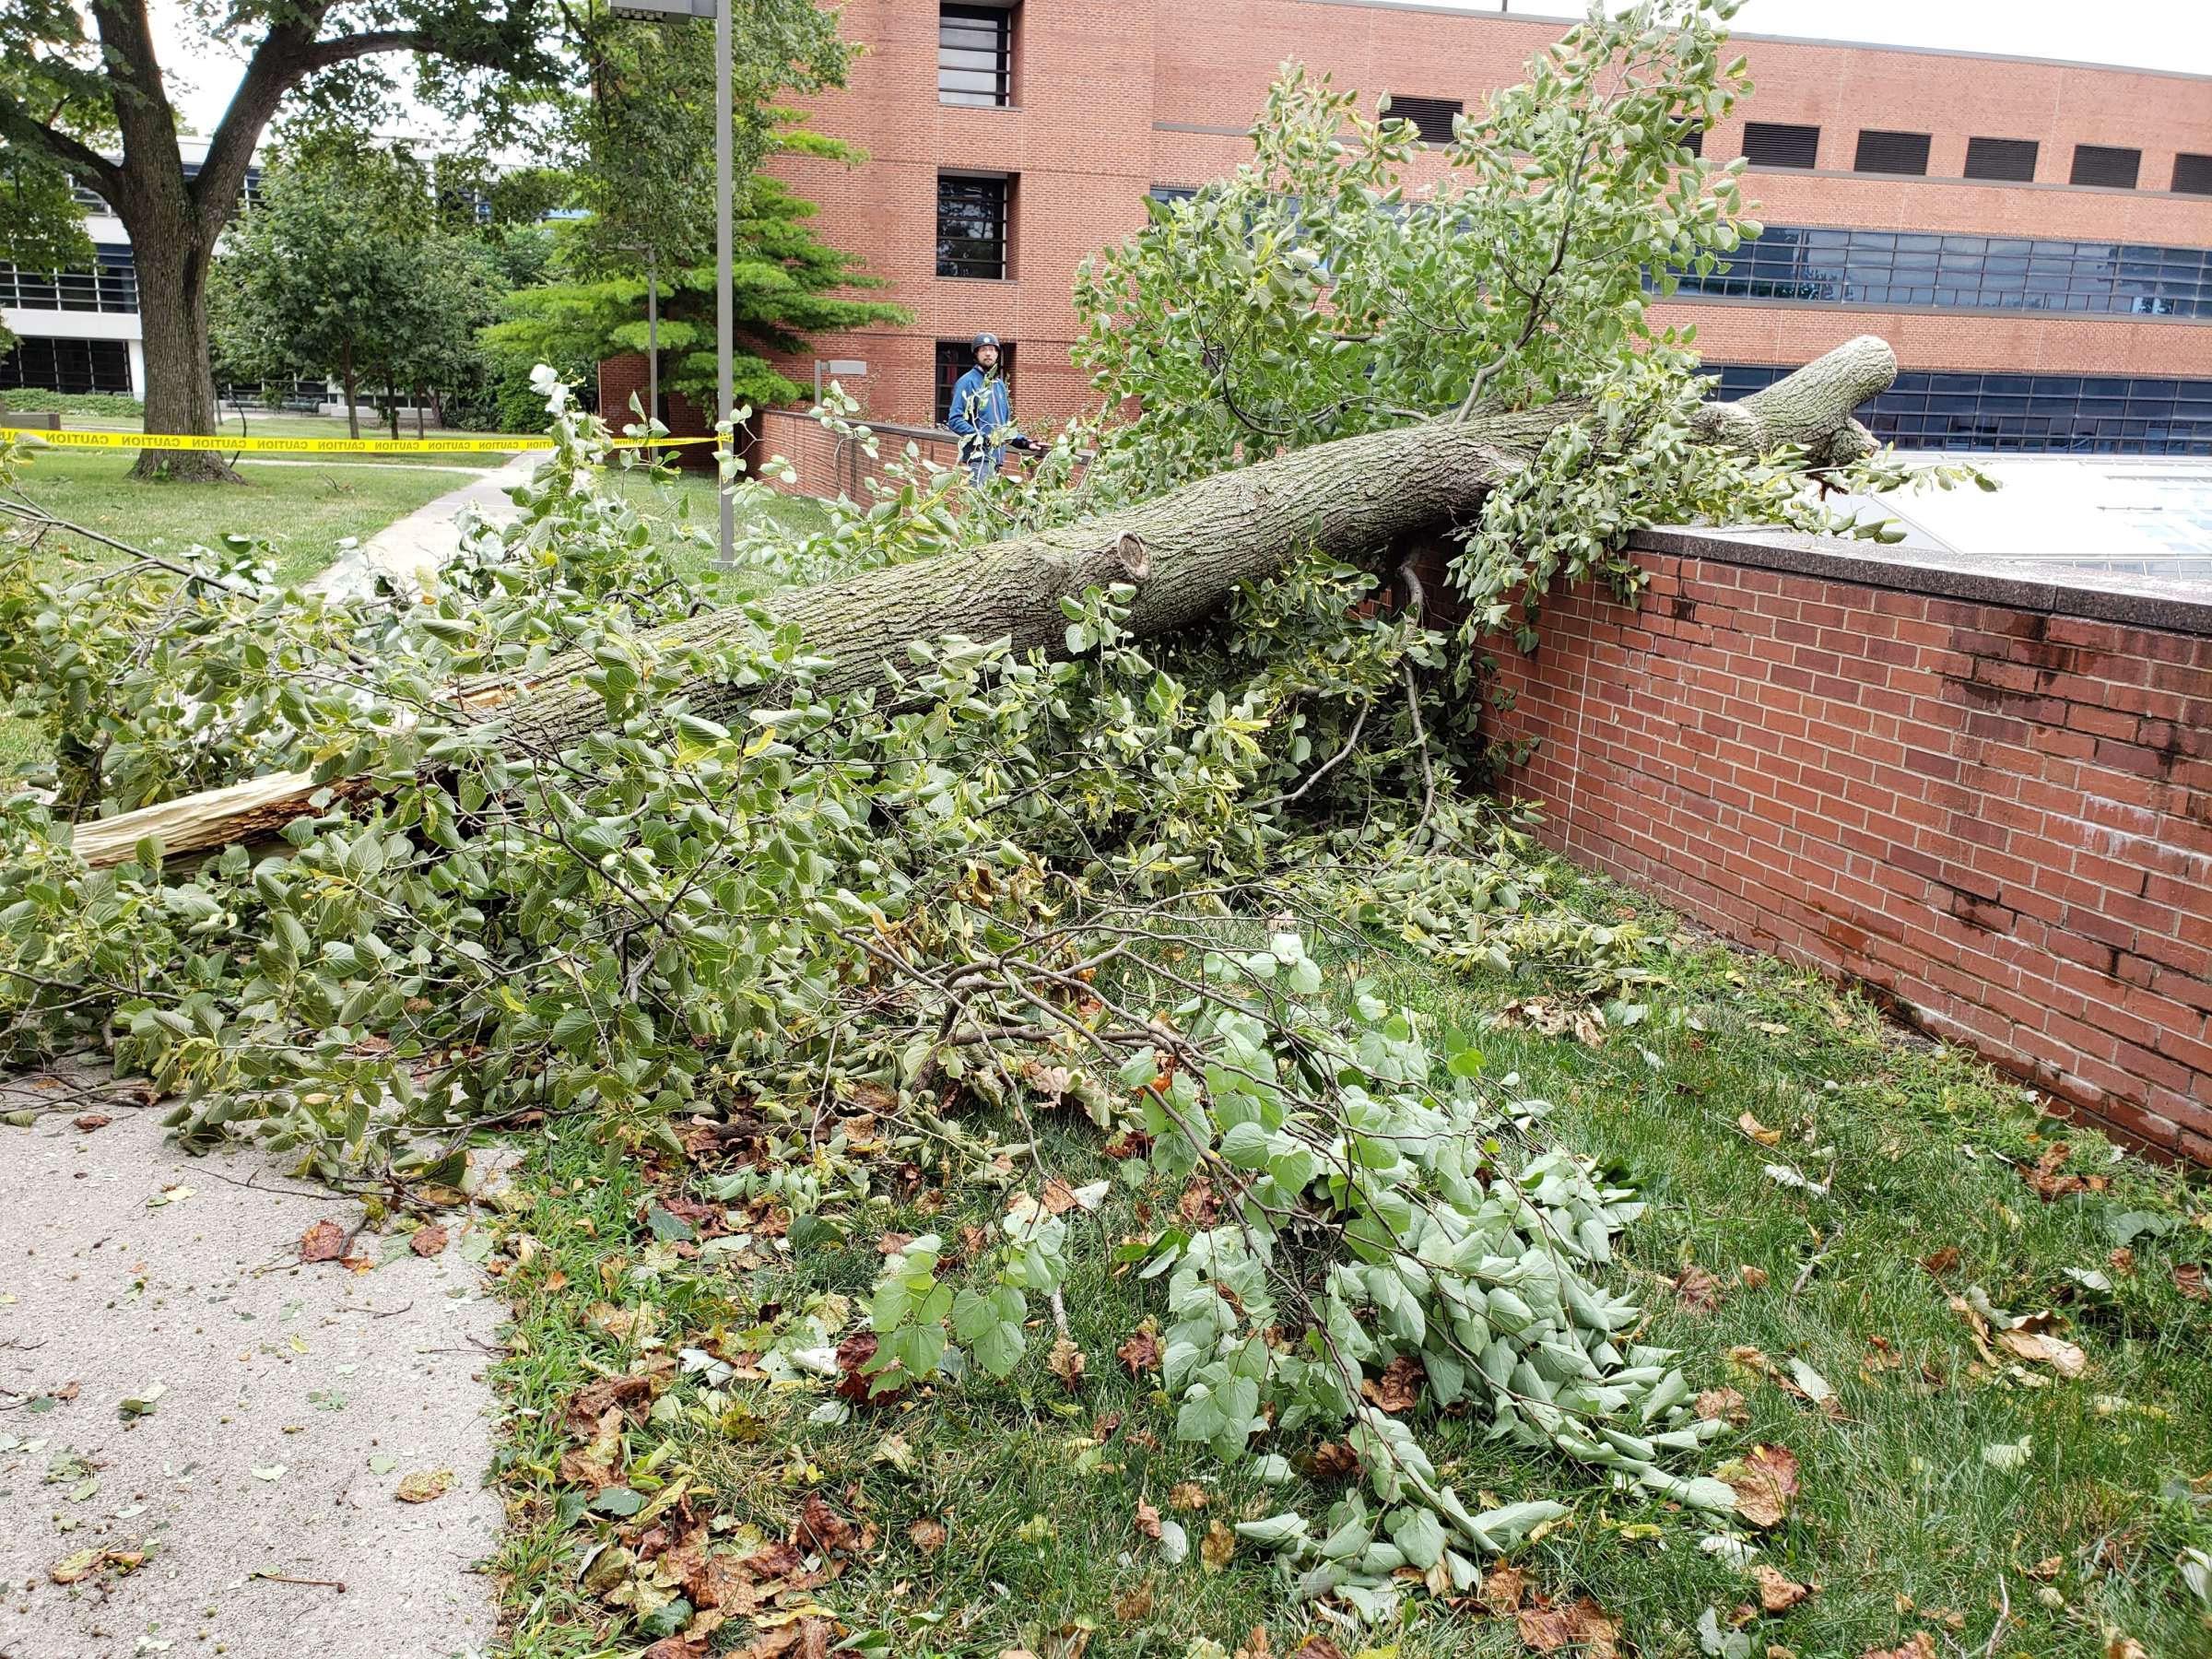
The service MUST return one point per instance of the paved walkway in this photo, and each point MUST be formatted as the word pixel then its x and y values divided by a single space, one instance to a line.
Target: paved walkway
pixel 288 1403
pixel 409 550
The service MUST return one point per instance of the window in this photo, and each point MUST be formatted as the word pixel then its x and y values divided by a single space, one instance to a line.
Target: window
pixel 1172 193
pixel 53 365
pixel 90 199
pixel 975 55
pixel 1771 144
pixel 2193 174
pixel 2084 413
pixel 1690 137
pixel 955 358
pixel 2113 169
pixel 2011 160
pixel 1431 117
pixel 111 284
pixel 1892 153
pixel 971 224
pixel 1985 273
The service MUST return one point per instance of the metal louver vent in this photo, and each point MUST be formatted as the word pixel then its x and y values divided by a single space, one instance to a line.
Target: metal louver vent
pixel 1892 153
pixel 1773 143
pixel 2193 174
pixel 2009 160
pixel 1431 117
pixel 2113 169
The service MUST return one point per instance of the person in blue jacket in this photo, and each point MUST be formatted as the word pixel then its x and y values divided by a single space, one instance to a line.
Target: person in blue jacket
pixel 982 410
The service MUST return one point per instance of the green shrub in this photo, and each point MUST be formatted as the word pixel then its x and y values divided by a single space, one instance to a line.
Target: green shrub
pixel 31 399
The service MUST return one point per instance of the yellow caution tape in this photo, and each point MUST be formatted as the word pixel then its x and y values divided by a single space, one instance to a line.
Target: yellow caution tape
pixel 311 446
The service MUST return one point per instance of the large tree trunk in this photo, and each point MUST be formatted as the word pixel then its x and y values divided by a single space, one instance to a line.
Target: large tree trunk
pixel 353 411
pixel 1183 553
pixel 172 311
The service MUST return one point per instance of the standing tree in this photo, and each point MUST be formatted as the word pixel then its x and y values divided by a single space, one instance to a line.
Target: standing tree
pixel 42 228
pixel 327 275
pixel 788 286
pixel 82 85
pixel 86 88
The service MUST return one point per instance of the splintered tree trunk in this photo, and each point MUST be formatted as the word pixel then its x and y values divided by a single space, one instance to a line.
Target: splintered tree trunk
pixel 172 311
pixel 1183 553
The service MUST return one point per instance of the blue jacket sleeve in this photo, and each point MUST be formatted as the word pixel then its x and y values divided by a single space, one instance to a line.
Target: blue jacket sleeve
pixel 961 417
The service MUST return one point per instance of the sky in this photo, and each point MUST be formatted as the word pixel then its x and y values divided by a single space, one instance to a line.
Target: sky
pixel 2154 34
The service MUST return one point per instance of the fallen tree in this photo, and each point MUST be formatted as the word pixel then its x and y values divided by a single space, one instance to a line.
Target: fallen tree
pixel 1183 555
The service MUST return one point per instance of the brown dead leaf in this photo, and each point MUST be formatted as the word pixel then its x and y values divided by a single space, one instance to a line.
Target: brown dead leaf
pixel 425 1486
pixel 428 1240
pixel 1763 1483
pixel 1503 1589
pixel 1332 1460
pixel 1697 1289
pixel 928 1536
pixel 2045 1180
pixel 589 1404
pixel 1132 1605
pixel 676 1647
pixel 1199 1205
pixel 324 1241
pixel 2189 1279
pixel 2121 1261
pixel 1399 1386
pixel 1776 1592
pixel 2032 1341
pixel 1066 1362
pixel 2123 1647
pixel 92 1120
pixel 891 1243
pixel 821 1530
pixel 1141 1352
pixel 853 1353
pixel 1147 1519
pixel 1754 1279
pixel 1218 1545
pixel 1317 1647
pixel 1942 1262
pixel 1919 1645
pixel 1059 1197
pixel 1189 1495
pixel 1725 1404
pixel 1583 1625
pixel 2049 1568
pixel 1758 1131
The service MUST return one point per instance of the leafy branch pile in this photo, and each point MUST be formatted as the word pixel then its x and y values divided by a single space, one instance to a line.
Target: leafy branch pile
pixel 991 880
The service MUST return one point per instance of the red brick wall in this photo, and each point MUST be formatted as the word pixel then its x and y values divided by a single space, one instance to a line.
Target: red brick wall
pixel 827 468
pixel 1994 813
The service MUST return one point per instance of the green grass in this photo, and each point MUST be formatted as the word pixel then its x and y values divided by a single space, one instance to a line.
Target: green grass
pixel 686 499
pixel 260 424
pixel 1900 1521
pixel 303 511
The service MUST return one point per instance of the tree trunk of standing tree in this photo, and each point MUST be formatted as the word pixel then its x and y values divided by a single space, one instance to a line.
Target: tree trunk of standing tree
pixel 353 413
pixel 172 311
pixel 1183 553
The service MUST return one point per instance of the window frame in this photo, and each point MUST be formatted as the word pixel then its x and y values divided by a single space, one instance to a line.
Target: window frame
pixel 1430 106
pixel 954 182
pixel 1998 152
pixel 1773 132
pixel 1000 18
pixel 958 357
pixel 2097 155
pixel 1885 136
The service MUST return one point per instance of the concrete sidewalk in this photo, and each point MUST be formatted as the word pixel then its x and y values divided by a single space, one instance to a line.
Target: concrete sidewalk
pixel 285 1405
pixel 408 551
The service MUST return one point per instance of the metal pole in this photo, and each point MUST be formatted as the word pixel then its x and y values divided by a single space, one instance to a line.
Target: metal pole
pixel 725 332
pixel 652 339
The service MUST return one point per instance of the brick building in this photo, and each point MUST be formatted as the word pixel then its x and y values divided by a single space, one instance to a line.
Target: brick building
pixel 2035 237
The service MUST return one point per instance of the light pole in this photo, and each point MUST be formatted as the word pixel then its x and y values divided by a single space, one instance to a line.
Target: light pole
pixel 680 11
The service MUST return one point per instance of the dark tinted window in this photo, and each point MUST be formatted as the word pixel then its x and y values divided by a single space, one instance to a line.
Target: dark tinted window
pixel 1891 152
pixel 974 54
pixel 971 226
pixel 1431 117
pixel 2097 416
pixel 2193 174
pixel 2114 168
pixel 53 365
pixel 1690 137
pixel 2010 160
pixel 955 358
pixel 1771 144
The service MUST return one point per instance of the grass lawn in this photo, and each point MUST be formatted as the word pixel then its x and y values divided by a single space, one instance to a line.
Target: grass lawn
pixel 1949 1496
pixel 687 499
pixel 303 512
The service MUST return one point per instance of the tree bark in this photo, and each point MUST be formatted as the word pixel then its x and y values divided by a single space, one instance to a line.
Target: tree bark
pixel 353 413
pixel 1183 553
pixel 172 309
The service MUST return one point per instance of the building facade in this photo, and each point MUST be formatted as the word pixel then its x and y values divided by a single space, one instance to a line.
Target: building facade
pixel 2034 238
